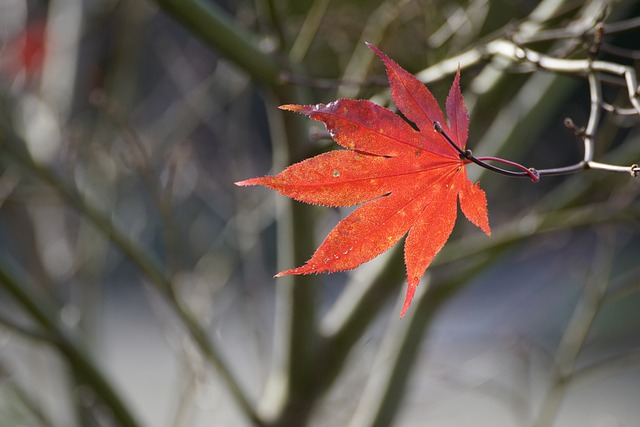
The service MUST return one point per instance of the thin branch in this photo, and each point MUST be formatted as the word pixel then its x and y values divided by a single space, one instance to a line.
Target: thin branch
pixel 531 173
pixel 618 110
pixel 25 331
pixel 608 367
pixel 537 224
pixel 380 398
pixel 33 406
pixel 624 285
pixel 623 26
pixel 383 395
pixel 620 51
pixel 308 31
pixel 595 95
pixel 373 31
pixel 587 135
pixel 509 50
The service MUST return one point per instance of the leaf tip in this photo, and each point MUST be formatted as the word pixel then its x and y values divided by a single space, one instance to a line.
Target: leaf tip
pixel 288 272
pixel 248 182
pixel 411 291
pixel 291 107
pixel 376 50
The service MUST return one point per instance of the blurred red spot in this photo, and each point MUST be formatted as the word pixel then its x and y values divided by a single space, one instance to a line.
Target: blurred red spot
pixel 25 53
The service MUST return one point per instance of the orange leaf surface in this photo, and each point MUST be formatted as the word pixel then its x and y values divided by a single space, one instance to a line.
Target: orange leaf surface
pixel 407 180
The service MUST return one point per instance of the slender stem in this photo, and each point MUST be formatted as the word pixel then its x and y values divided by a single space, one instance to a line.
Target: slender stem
pixel 441 131
pixel 308 31
pixel 564 170
pixel 594 116
pixel 532 173
pixel 25 331
pixel 622 26
pixel 468 155
pixel 634 169
pixel 505 161
pixel 30 403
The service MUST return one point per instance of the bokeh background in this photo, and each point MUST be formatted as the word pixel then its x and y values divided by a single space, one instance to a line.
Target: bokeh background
pixel 136 280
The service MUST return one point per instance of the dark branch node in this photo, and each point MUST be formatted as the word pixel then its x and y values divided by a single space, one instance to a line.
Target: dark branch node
pixel 593 45
pixel 577 130
pixel 466 155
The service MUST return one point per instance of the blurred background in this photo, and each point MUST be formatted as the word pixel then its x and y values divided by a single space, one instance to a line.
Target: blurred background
pixel 136 280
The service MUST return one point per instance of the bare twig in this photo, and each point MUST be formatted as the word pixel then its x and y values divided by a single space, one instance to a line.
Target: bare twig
pixel 516 53
pixel 623 26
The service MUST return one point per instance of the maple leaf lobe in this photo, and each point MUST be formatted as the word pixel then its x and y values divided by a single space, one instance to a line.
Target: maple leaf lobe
pixel 457 113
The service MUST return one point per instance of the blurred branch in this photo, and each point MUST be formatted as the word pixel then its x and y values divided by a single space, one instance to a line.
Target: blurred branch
pixel 384 392
pixel 536 224
pixel 577 329
pixel 607 368
pixel 44 313
pixel 516 54
pixel 357 307
pixel 142 162
pixel 146 265
pixel 31 404
pixel 25 331
pixel 620 288
pixel 506 46
pixel 623 26
pixel 397 351
pixel 360 60
pixel 308 31
pixel 624 286
pixel 344 320
pixel 211 24
pixel 295 336
pixel 296 298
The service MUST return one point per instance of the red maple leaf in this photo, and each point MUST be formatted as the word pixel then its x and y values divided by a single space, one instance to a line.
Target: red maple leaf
pixel 409 180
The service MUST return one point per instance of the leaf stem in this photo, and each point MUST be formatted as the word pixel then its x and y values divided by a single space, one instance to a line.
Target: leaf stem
pixel 532 173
